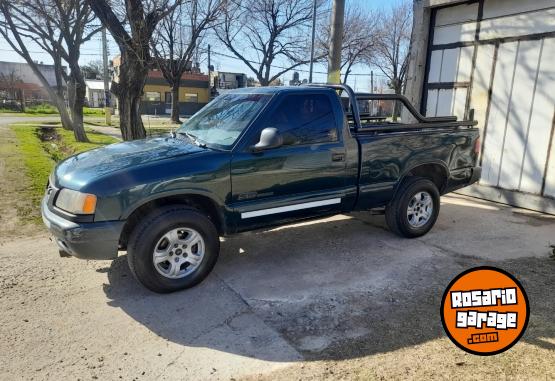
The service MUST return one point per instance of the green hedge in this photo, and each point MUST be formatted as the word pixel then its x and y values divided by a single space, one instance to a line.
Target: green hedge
pixel 47 109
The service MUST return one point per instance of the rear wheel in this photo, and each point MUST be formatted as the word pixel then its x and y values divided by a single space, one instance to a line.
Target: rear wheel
pixel 173 248
pixel 414 209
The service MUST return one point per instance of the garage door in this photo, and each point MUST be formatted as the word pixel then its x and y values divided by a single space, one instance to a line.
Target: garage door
pixel 498 58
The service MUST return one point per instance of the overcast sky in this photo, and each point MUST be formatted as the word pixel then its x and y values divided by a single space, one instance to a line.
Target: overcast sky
pixel 92 51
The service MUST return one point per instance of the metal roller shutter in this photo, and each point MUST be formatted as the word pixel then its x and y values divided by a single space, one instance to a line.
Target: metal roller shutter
pixel 498 57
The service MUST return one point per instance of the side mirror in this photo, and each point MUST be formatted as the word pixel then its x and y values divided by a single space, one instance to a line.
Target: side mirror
pixel 269 138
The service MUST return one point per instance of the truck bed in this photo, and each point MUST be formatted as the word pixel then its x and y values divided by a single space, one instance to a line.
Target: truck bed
pixel 389 149
pixel 388 155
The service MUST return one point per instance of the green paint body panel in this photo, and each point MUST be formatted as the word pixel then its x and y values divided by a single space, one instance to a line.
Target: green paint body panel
pixel 361 170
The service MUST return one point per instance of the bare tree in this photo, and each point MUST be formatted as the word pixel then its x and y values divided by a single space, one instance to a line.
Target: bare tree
pixel 9 87
pixel 360 36
pixel 9 82
pixel 132 24
pixel 259 32
pixel 392 49
pixel 93 70
pixel 59 27
pixel 178 36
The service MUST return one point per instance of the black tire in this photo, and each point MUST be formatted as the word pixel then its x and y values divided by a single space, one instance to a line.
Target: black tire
pixel 396 212
pixel 148 232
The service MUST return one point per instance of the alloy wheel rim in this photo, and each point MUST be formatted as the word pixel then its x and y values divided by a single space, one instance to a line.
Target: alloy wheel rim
pixel 420 209
pixel 178 253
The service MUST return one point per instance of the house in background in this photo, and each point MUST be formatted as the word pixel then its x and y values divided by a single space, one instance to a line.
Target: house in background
pixel 496 57
pixel 193 92
pixel 296 80
pixel 94 92
pixel 17 77
pixel 222 80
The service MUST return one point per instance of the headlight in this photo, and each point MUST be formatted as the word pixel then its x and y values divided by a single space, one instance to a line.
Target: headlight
pixel 76 202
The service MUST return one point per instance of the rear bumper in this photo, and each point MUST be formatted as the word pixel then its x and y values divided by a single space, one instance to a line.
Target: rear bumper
pixel 94 240
pixel 462 178
pixel 476 174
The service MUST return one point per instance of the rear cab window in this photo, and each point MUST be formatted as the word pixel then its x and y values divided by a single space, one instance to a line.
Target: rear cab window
pixel 384 112
pixel 379 112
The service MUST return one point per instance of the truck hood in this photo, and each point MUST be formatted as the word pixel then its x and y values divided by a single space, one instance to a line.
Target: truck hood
pixel 81 169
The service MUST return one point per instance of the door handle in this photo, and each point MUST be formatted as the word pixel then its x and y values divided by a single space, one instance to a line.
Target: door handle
pixel 337 156
pixel 240 171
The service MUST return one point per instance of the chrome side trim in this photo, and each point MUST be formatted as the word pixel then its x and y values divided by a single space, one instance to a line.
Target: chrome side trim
pixel 289 208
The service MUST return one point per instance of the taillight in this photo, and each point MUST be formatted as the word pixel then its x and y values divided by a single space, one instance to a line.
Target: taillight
pixel 477 146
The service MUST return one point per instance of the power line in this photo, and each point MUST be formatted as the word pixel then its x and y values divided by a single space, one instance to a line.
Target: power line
pixel 295 69
pixel 43 52
pixel 223 55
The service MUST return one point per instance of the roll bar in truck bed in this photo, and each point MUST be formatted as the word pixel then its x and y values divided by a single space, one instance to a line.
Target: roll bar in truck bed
pixel 423 122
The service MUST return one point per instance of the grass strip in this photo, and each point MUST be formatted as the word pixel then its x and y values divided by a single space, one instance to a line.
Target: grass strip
pixel 40 157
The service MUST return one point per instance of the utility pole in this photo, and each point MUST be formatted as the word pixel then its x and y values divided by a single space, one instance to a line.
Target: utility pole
pixel 371 81
pixel 313 38
pixel 336 41
pixel 209 72
pixel 209 68
pixel 107 108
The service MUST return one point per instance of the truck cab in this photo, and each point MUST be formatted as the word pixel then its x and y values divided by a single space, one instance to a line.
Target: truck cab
pixel 298 156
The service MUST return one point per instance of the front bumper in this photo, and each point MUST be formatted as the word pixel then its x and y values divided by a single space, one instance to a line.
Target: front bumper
pixel 92 240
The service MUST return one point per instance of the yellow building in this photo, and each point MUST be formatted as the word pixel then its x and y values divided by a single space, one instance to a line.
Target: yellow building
pixel 194 92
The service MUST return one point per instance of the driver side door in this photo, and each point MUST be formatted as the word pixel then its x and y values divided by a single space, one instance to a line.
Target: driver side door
pixel 304 177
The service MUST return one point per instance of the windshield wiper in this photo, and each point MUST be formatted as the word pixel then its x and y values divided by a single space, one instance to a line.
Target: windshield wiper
pixel 193 138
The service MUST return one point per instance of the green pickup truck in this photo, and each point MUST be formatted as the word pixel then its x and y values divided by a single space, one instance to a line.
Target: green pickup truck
pixel 250 159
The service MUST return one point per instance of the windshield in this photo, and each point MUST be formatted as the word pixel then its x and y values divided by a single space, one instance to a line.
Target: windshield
pixel 221 121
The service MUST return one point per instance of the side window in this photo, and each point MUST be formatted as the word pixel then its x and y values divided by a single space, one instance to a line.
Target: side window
pixel 304 119
pixel 152 96
pixel 191 97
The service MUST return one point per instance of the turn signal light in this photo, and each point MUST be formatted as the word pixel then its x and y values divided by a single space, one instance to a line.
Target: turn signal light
pixel 89 204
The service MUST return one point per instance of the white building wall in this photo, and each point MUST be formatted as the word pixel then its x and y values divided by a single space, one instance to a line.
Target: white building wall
pixel 498 58
pixel 24 71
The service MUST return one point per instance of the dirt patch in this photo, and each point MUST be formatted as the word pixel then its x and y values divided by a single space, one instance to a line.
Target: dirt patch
pixel 48 133
pixel 53 143
pixel 404 339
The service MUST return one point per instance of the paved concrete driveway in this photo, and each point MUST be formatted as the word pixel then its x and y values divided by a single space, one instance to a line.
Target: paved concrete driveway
pixel 337 288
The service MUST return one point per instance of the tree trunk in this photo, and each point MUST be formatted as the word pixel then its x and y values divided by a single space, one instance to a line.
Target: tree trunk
pixel 175 102
pixel 131 124
pixel 264 81
pixel 129 90
pixel 57 96
pixel 347 71
pixel 64 115
pixel 76 104
pixel 397 88
pixel 22 93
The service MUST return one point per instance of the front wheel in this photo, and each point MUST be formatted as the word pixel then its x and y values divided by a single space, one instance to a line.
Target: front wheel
pixel 173 248
pixel 414 209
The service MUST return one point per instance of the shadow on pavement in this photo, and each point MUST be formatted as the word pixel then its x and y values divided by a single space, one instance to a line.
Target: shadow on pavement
pixel 332 289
